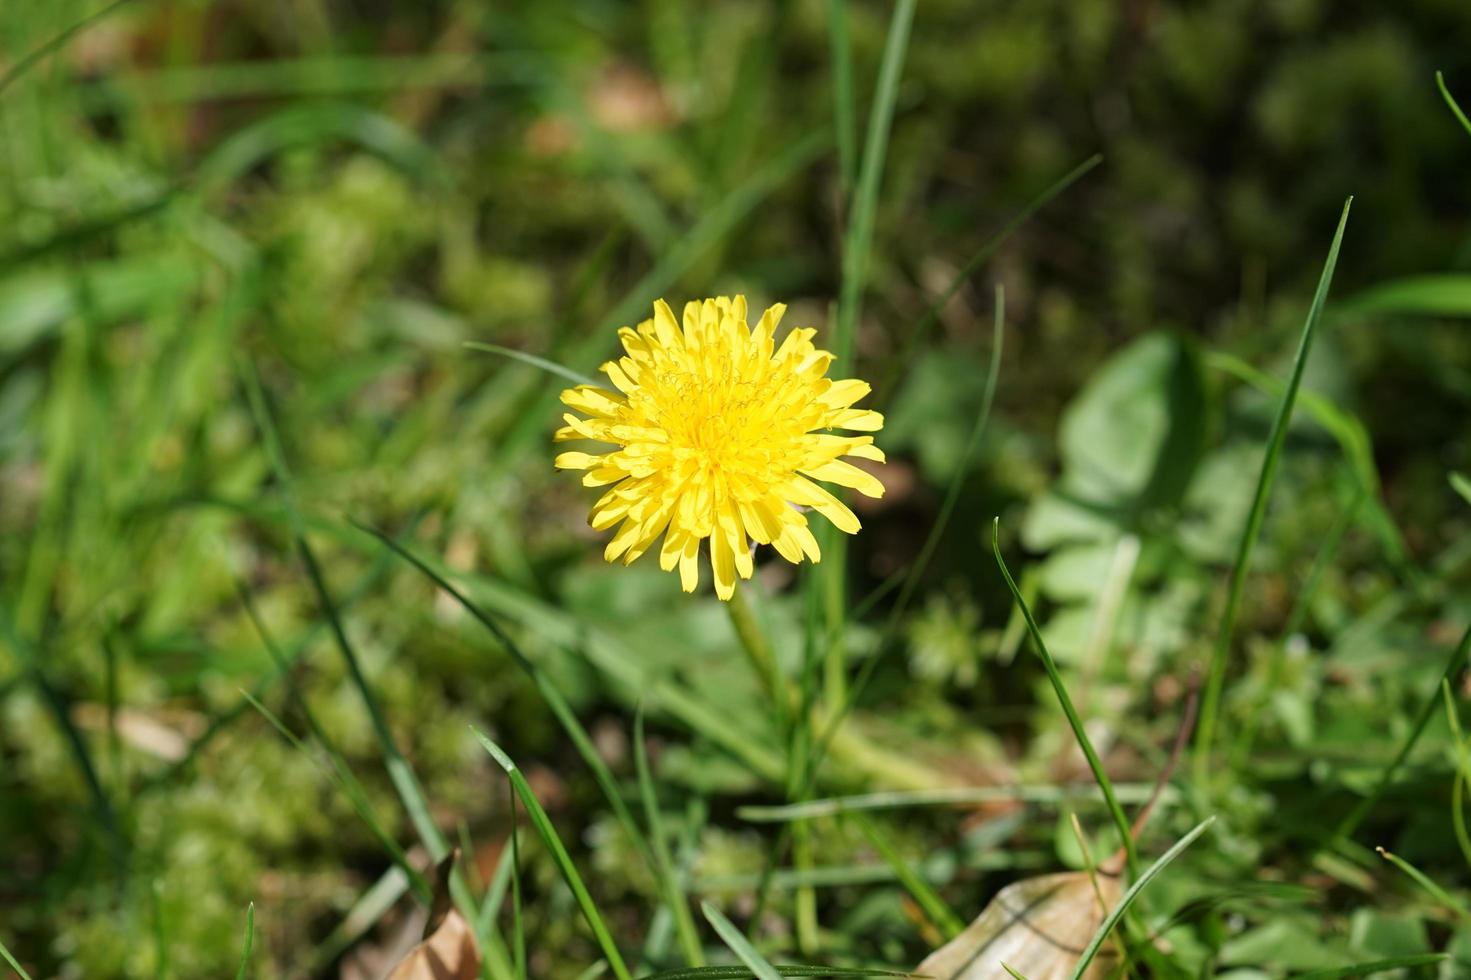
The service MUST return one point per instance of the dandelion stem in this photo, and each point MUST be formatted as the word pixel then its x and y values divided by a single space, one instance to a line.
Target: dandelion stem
pixel 758 649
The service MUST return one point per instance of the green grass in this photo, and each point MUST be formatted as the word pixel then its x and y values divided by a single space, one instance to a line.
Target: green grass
pixel 1216 673
pixel 279 541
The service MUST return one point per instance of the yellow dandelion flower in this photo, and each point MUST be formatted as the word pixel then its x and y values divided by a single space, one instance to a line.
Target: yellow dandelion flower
pixel 720 434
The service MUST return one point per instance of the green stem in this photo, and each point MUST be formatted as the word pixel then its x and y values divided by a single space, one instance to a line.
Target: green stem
pixel 757 649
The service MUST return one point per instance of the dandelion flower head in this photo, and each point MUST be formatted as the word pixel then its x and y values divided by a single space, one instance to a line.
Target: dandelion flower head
pixel 721 434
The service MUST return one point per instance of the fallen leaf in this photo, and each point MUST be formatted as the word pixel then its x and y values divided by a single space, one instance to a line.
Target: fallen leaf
pixel 1037 926
pixel 449 953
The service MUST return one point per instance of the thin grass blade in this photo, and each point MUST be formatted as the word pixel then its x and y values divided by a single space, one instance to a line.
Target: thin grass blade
pixel 674 896
pixel 1427 884
pixel 34 57
pixel 844 113
pixel 551 367
pixel 518 928
pixel 1373 966
pixel 1211 701
pixel 20 970
pixel 785 969
pixel 979 258
pixel 549 692
pixel 1453 667
pixel 739 944
pixel 244 970
pixel 558 850
pixel 400 773
pixel 1106 927
pixel 1060 689
pixel 935 908
pixel 1445 93
pixel 859 239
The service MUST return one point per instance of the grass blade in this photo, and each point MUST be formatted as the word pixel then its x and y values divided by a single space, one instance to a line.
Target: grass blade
pixel 1373 966
pixel 550 694
pixel 1426 884
pixel 551 367
pixel 785 970
pixel 1358 453
pixel 244 970
pixel 610 657
pixel 1450 100
pixel 518 929
pixel 1296 617
pixel 1076 723
pixel 1463 767
pixel 921 562
pixel 739 944
pixel 554 845
pixel 1453 667
pixel 935 908
pixel 1138 886
pixel 857 243
pixel 932 315
pixel 1211 701
pixel 348 783
pixel 674 897
pixel 957 796
pixel 20 970
pixel 31 59
pixel 859 239
pixel 60 711
pixel 495 895
pixel 1462 486
pixel 400 773
pixel 223 720
pixel 844 121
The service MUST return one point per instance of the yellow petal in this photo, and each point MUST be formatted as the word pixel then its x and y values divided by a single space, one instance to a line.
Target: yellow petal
pixel 648 533
pixel 730 529
pixel 689 564
pixel 593 401
pixel 803 491
pixel 673 545
pixel 847 475
pixel 626 536
pixel 786 545
pixel 857 419
pixel 665 327
pixel 841 394
pixel 722 563
pixel 602 476
pixel 575 461
pixel 616 375
pixel 867 450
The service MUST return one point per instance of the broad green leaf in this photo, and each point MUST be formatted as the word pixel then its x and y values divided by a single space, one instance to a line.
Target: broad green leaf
pixel 1133 437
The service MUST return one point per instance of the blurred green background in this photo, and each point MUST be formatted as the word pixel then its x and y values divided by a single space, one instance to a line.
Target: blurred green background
pixel 337 194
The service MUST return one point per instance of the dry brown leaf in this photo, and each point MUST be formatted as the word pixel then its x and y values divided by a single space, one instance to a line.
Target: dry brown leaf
pixel 1037 926
pixel 449 953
